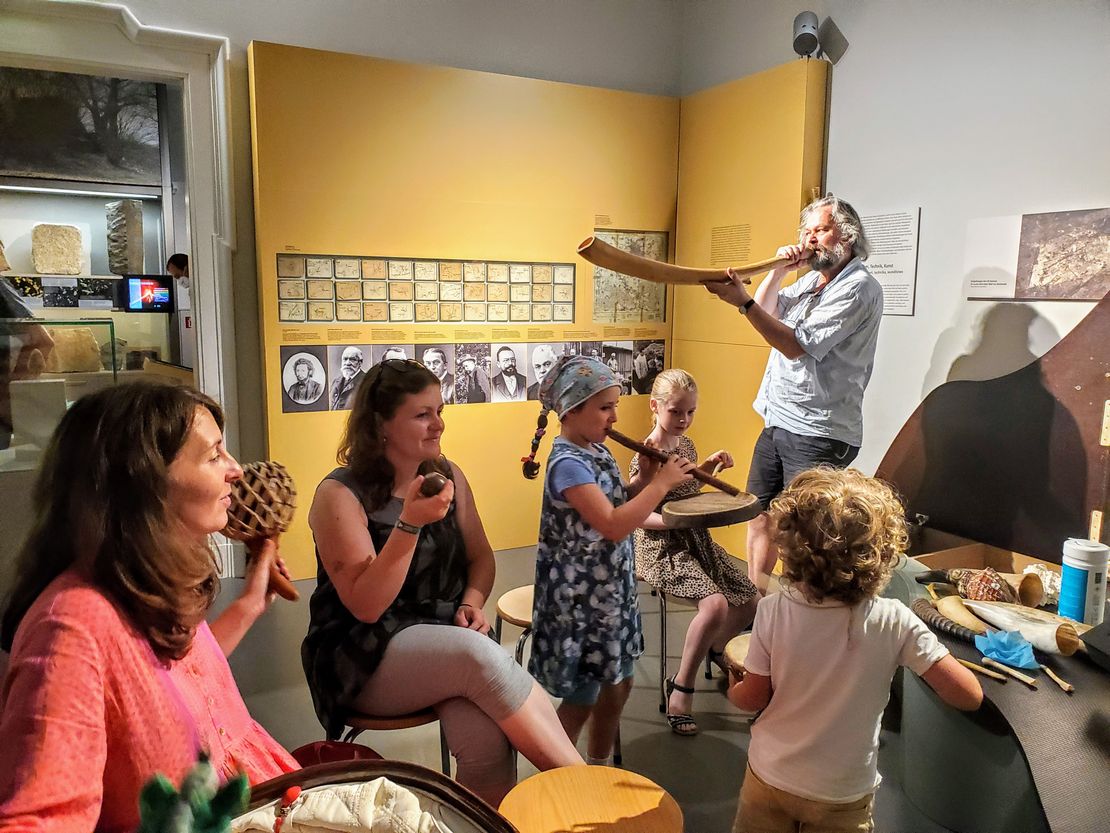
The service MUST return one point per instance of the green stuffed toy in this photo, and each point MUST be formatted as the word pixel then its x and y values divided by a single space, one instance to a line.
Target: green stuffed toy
pixel 202 806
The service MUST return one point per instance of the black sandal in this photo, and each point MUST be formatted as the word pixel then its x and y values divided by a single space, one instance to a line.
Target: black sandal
pixel 682 725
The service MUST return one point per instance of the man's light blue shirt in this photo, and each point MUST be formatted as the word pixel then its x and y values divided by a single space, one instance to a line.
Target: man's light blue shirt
pixel 820 394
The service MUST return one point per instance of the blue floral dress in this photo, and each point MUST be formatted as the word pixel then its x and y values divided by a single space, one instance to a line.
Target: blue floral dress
pixel 586 622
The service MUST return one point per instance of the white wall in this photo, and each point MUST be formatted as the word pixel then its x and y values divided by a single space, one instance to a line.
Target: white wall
pixel 622 44
pixel 966 108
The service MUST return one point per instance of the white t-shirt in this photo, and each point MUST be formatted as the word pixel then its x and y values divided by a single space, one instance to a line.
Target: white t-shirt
pixel 831 667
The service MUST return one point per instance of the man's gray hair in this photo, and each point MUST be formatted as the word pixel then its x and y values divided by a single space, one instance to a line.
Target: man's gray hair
pixel 847 221
pixel 305 362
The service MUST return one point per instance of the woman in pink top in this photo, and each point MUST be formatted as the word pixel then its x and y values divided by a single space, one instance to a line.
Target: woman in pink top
pixel 114 673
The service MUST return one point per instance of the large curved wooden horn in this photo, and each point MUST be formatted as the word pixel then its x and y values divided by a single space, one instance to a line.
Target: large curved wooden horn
pixel 600 253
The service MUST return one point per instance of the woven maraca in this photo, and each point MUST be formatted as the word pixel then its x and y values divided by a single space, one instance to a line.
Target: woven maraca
pixel 262 504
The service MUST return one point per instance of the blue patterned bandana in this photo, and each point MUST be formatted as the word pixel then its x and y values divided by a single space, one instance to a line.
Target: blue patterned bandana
pixel 572 381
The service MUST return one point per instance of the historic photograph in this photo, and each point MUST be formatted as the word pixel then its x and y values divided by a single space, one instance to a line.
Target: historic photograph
pixel 472 373
pixel 1064 255
pixel 303 381
pixel 347 366
pixel 508 384
pixel 62 125
pixel 440 359
pixel 647 362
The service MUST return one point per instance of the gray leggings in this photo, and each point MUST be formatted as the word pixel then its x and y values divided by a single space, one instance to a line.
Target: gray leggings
pixel 469 680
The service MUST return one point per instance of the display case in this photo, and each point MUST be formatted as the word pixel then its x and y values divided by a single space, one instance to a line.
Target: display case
pixel 51 363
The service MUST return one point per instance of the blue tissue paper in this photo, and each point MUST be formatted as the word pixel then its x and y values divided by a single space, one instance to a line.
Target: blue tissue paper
pixel 1008 647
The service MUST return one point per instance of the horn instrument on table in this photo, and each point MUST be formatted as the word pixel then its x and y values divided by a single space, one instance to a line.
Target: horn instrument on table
pixel 600 253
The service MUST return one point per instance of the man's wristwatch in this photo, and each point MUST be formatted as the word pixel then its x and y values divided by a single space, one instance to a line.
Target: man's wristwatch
pixel 747 305
pixel 406 527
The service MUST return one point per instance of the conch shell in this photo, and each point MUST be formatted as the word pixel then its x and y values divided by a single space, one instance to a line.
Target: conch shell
pixel 988 585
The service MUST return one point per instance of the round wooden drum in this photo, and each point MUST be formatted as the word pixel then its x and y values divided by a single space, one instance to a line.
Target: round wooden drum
pixel 710 509
pixel 736 651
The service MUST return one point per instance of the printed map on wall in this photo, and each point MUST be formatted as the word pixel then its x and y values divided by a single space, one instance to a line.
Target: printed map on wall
pixel 1064 255
pixel 621 299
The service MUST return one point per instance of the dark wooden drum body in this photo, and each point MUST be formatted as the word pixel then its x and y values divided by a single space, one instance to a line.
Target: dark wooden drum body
pixel 710 509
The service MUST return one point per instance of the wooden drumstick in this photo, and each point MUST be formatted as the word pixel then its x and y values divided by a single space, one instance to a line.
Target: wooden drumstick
pixel 662 457
pixel 600 253
pixel 1005 669
pixel 1064 684
pixel 978 669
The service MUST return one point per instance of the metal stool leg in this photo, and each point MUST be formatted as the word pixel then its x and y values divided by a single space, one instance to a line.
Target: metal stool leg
pixel 662 652
pixel 708 665
pixel 617 757
pixel 497 629
pixel 520 643
pixel 444 752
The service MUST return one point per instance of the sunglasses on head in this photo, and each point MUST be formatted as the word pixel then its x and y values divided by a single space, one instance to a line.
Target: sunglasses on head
pixel 396 365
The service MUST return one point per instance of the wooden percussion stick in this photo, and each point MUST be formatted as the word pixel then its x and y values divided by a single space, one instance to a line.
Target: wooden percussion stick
pixel 662 457
pixel 1005 669
pixel 978 669
pixel 1064 684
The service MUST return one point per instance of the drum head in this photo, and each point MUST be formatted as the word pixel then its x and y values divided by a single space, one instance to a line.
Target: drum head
pixel 710 509
pixel 736 651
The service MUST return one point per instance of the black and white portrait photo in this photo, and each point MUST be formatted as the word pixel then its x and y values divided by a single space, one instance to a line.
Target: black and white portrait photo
pixel 303 380
pixel 508 383
pixel 541 358
pixel 647 362
pixel 347 366
pixel 472 373
pixel 381 352
pixel 617 356
pixel 440 359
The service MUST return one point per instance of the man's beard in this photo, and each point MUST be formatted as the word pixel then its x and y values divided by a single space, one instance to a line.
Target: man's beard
pixel 826 259
pixel 510 370
pixel 349 372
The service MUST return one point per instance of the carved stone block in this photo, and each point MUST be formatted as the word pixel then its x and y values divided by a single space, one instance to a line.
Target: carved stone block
pixel 56 250
pixel 4 265
pixel 125 237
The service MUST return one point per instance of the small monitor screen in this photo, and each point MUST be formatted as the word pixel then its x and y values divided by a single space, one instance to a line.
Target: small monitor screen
pixel 149 293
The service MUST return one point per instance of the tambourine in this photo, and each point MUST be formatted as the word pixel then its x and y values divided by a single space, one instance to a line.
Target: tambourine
pixel 262 504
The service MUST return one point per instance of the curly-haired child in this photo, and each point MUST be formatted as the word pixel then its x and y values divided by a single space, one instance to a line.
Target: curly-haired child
pixel 823 653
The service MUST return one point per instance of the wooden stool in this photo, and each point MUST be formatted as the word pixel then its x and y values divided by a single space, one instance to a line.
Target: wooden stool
pixel 591 798
pixel 515 607
pixel 360 723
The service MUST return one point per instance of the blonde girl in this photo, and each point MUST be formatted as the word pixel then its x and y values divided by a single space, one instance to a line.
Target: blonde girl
pixel 688 563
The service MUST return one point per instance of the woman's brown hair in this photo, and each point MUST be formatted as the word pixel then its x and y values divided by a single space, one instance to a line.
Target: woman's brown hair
pixel 839 533
pixel 362 448
pixel 100 505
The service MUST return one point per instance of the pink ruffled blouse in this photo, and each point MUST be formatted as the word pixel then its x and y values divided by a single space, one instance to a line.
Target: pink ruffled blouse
pixel 89 715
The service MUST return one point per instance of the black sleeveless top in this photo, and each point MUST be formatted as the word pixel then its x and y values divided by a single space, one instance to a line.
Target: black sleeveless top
pixel 340 653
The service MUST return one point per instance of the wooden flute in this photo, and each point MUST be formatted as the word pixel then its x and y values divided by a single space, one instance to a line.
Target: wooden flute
pixel 662 457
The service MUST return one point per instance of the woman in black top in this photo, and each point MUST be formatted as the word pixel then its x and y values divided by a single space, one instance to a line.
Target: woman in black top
pixel 396 619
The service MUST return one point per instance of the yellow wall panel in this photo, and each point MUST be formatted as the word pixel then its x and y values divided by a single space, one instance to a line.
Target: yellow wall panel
pixel 361 156
pixel 751 153
pixel 728 377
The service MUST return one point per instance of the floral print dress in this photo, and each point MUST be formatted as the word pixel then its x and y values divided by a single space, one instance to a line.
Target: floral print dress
pixel 585 619
pixel 688 563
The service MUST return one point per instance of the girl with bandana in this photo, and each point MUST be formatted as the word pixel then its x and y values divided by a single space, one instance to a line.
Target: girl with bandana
pixel 586 623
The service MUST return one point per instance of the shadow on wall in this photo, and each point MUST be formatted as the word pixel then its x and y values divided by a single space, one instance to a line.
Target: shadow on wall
pixel 987 344
pixel 989 436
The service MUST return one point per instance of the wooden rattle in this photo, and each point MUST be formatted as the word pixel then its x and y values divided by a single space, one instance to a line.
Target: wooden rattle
pixel 262 504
